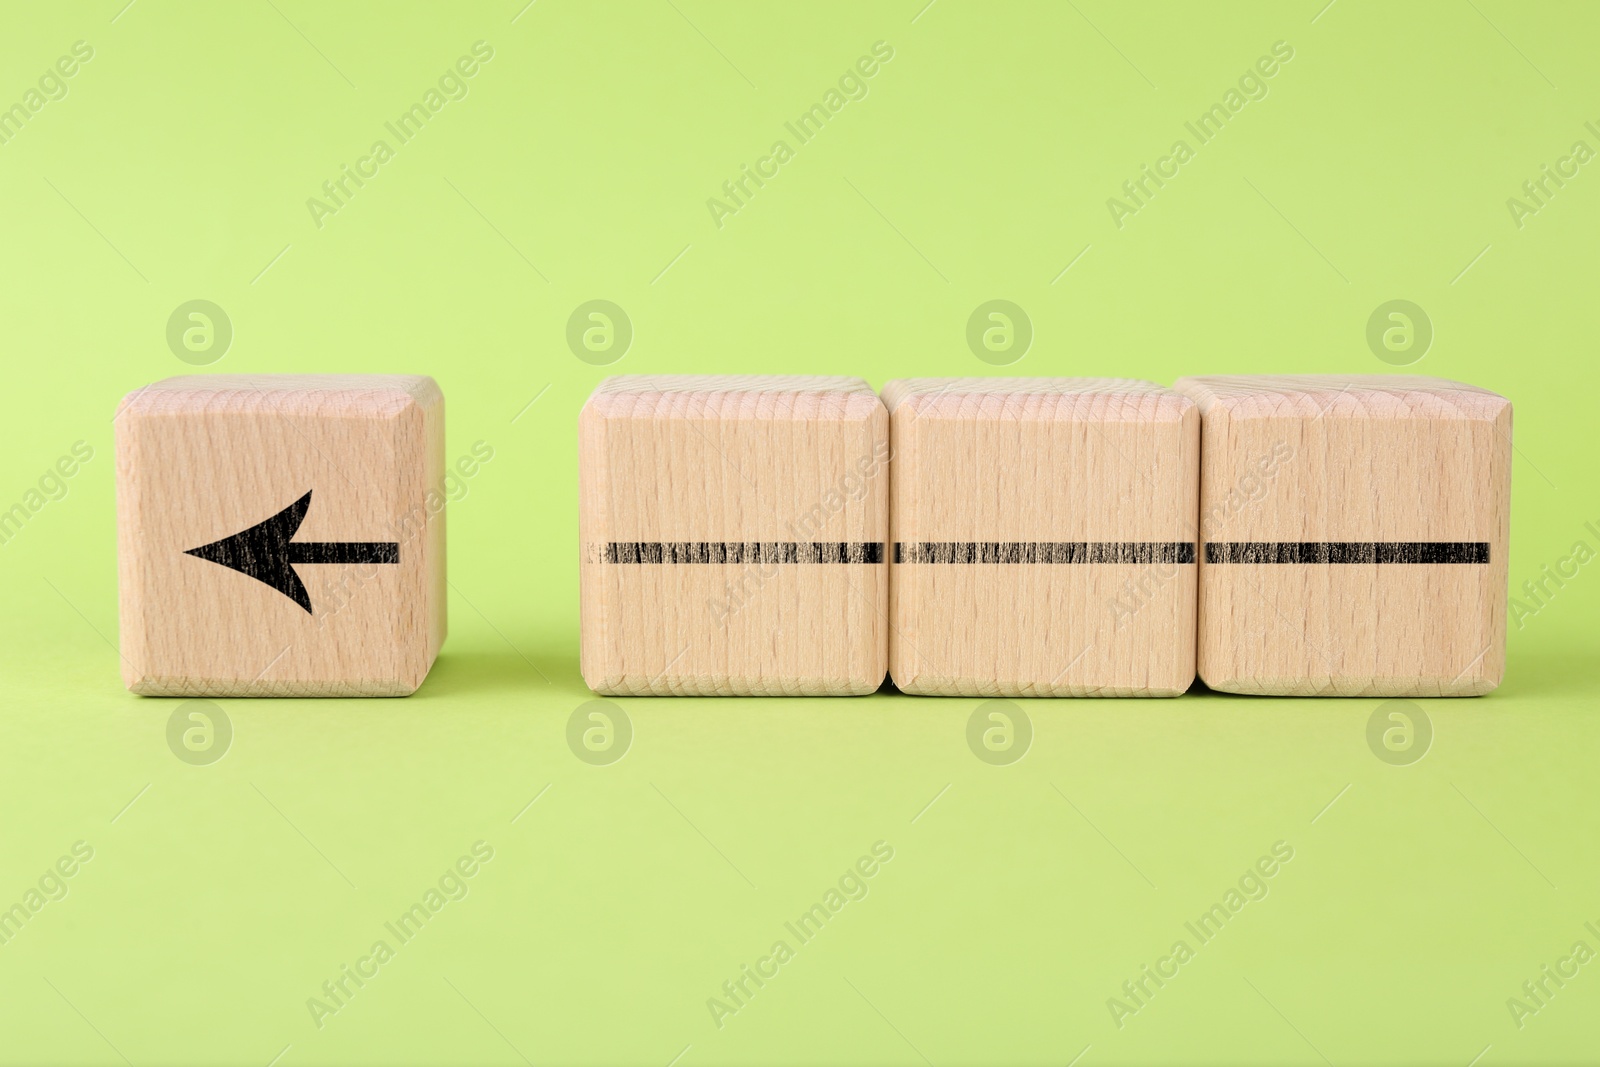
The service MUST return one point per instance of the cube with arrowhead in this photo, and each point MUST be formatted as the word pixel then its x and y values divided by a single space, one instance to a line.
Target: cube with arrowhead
pixel 281 535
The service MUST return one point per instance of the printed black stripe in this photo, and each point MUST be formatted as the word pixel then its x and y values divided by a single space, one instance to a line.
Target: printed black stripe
pixel 742 552
pixel 1044 552
pixel 1347 552
pixel 344 552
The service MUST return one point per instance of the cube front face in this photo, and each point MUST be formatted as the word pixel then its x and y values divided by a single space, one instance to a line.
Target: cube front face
pixel 1382 504
pixel 1043 537
pixel 341 594
pixel 733 536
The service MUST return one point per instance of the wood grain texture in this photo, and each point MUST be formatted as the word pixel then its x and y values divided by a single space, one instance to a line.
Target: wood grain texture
pixel 1353 468
pixel 1075 500
pixel 203 457
pixel 725 533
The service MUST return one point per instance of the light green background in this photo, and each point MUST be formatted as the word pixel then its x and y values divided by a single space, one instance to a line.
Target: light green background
pixel 178 167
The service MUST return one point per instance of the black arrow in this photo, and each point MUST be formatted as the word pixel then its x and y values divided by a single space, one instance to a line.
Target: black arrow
pixel 266 553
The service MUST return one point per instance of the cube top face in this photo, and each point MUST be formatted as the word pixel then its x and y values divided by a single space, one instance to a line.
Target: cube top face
pixel 1098 398
pixel 1043 533
pixel 743 396
pixel 365 396
pixel 1357 533
pixel 732 535
pixel 1360 395
pixel 281 535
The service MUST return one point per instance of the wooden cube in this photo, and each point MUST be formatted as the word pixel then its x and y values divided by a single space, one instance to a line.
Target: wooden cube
pixel 281 535
pixel 1355 535
pixel 1043 537
pixel 733 536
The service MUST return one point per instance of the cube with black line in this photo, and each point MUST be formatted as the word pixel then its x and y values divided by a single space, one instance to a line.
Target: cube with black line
pixel 1043 537
pixel 732 536
pixel 1356 532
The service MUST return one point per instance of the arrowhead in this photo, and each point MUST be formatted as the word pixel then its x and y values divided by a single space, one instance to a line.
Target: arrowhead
pixel 262 552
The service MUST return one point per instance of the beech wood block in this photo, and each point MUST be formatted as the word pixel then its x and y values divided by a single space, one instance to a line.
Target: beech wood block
pixel 1356 533
pixel 1043 537
pixel 281 535
pixel 732 536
